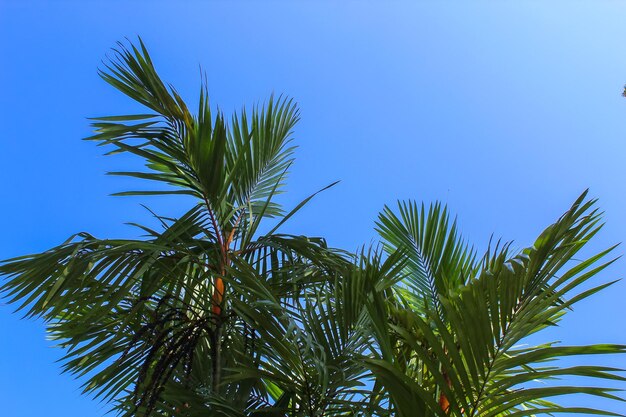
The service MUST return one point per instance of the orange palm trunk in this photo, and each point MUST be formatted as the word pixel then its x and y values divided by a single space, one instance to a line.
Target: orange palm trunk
pixel 218 295
pixel 443 400
pixel 444 403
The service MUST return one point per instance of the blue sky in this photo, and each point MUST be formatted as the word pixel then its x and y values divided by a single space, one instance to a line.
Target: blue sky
pixel 506 111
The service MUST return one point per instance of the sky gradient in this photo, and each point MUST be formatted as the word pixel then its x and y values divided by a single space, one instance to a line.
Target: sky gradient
pixel 505 111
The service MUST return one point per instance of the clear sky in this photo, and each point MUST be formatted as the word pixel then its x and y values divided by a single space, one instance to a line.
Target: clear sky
pixel 506 111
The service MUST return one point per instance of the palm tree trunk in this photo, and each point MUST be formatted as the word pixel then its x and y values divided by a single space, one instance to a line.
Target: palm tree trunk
pixel 444 403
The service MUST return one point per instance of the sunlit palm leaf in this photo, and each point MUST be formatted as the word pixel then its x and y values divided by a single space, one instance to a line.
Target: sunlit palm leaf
pixel 439 261
pixel 473 360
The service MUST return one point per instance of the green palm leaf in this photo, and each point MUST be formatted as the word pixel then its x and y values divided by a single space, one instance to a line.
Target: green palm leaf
pixel 208 316
pixel 470 356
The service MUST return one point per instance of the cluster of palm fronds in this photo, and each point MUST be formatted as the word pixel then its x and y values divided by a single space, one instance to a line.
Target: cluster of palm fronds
pixel 207 316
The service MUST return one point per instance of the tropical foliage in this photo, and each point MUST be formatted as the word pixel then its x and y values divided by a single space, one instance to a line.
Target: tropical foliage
pixel 216 313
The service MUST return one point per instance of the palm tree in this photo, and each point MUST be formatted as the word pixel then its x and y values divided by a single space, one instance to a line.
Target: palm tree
pixel 218 314
pixel 455 343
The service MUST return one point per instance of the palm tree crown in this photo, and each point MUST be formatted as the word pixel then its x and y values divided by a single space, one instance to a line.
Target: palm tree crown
pixel 207 316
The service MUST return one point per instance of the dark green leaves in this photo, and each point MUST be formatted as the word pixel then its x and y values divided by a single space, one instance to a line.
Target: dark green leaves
pixel 235 167
pixel 204 317
pixel 465 341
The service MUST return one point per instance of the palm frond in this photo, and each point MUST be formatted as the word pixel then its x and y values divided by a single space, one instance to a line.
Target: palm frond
pixel 439 261
pixel 474 361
